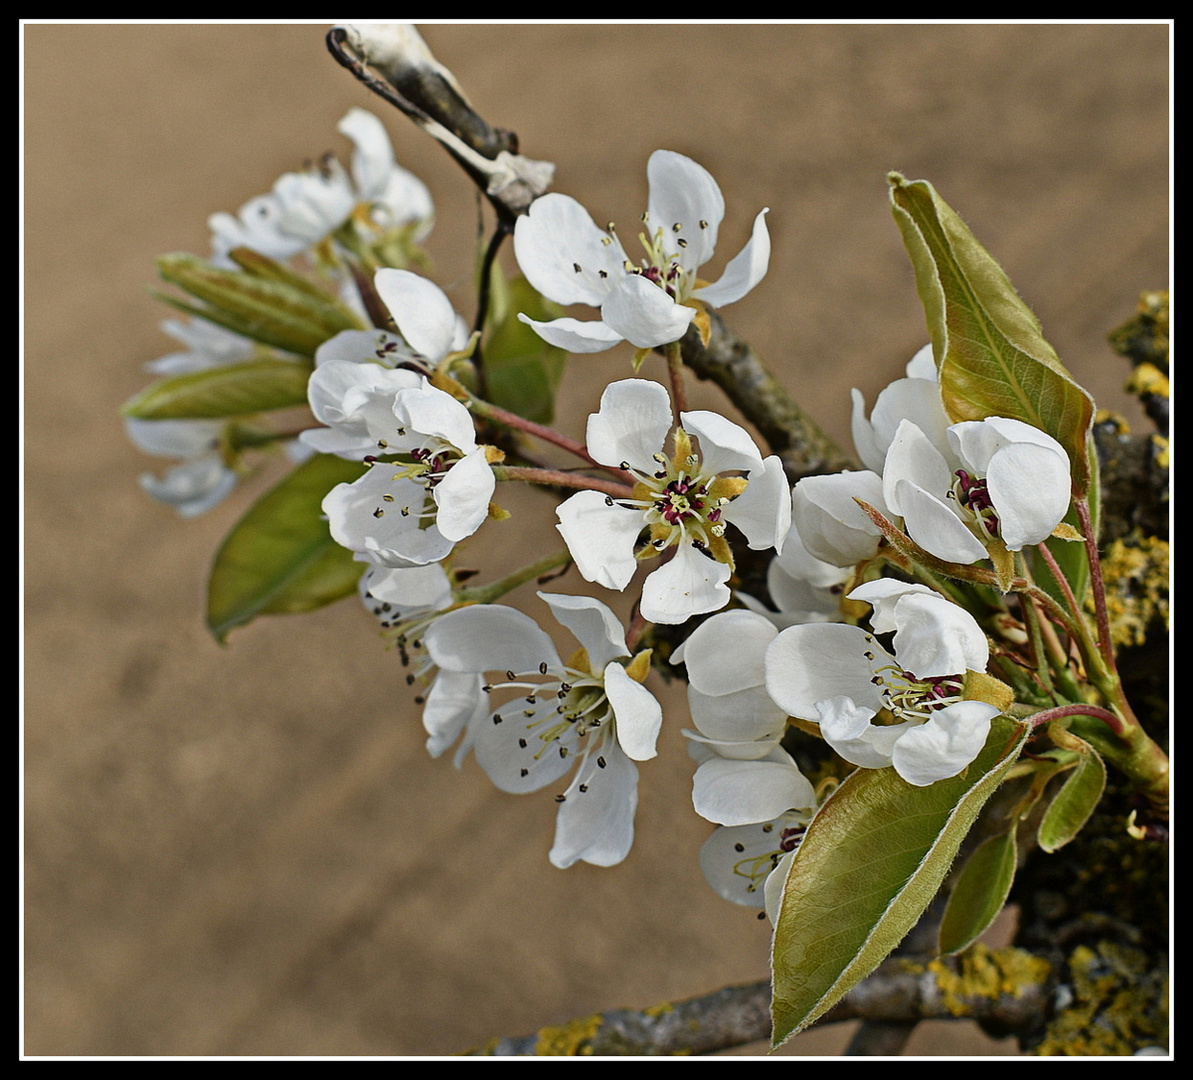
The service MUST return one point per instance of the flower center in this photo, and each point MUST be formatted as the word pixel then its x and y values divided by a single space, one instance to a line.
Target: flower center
pixel 756 866
pixel 681 502
pixel 660 266
pixel 971 494
pixel 562 706
pixel 428 465
pixel 910 698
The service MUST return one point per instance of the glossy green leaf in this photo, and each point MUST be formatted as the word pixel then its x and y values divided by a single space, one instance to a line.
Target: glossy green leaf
pixel 253 386
pixel 280 557
pixel 991 355
pixel 264 306
pixel 871 861
pixel 980 892
pixel 1073 804
pixel 522 372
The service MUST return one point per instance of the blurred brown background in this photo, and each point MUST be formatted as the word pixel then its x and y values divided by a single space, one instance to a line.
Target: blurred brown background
pixel 247 851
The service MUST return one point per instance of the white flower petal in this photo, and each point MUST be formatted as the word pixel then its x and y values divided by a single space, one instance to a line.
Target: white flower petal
pixel 742 724
pixel 923 364
pixel 520 749
pixel 422 313
pixel 631 424
pixel 684 193
pixel 741 792
pixel 430 411
pixel 373 157
pixel 591 623
pixel 915 400
pixel 937 638
pixel 362 519
pixel 463 495
pixel 596 825
pixel 690 584
pixel 744 271
pixel 366 346
pixel 806 664
pixel 355 400
pixel 912 456
pixel 192 487
pixel 977 441
pixel 454 701
pixel 775 885
pixel 1030 487
pixel 488 637
pixel 409 589
pixel 557 235
pixel 867 745
pixel 726 653
pixel 737 860
pixel 934 525
pixel 636 712
pixel 763 511
pixel 642 313
pixel 945 744
pixel 575 335
pixel 600 538
pixel 830 522
pixel 883 596
pixel 799 563
pixel 724 445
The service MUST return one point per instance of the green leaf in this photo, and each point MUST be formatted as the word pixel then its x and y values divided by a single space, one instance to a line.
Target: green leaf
pixel 252 386
pixel 265 304
pixel 1073 804
pixel 980 892
pixel 522 371
pixel 871 861
pixel 991 355
pixel 280 557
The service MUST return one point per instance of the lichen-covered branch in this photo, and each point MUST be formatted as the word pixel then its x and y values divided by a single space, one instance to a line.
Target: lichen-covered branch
pixel 1003 988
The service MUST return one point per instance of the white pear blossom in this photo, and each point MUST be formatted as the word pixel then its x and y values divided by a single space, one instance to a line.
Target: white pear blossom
pixel 841 678
pixel 591 713
pixel 727 696
pixel 413 510
pixel 568 259
pixel 357 376
pixel 355 400
pixel 996 479
pixel 763 808
pixel 307 206
pixel 684 500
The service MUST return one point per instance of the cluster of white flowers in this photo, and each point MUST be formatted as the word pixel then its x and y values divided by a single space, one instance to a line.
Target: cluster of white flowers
pixel 304 210
pixel 306 207
pixel 677 486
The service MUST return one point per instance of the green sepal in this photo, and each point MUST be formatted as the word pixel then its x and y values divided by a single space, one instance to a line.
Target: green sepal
pixel 522 371
pixel 280 557
pixel 871 861
pixel 991 355
pixel 251 386
pixel 265 304
pixel 980 891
